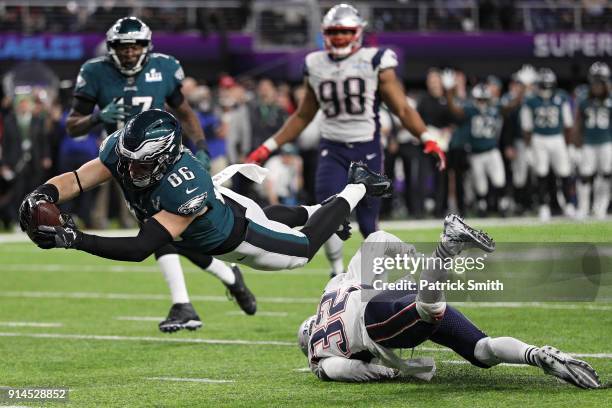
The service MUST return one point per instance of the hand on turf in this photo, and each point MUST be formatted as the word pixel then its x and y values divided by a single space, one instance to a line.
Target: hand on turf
pixel 431 147
pixel 47 237
pixel 259 155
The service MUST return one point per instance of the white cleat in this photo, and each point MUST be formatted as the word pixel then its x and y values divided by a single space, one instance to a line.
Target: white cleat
pixel 544 213
pixel 458 236
pixel 567 368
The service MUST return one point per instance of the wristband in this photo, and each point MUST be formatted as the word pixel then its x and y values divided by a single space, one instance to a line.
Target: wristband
pixel 426 137
pixel 49 190
pixel 270 144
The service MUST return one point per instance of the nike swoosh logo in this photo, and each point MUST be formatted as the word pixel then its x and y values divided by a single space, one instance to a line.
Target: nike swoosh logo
pixel 188 191
pixel 241 259
pixel 370 156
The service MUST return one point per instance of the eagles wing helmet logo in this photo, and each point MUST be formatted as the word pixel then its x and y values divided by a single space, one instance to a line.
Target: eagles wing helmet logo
pixel 193 205
pixel 148 148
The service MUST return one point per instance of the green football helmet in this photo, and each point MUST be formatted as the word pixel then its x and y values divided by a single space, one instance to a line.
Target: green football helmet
pixel 148 145
pixel 129 30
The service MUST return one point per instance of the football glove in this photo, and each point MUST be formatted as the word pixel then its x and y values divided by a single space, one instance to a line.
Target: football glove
pixel 29 202
pixel 47 237
pixel 113 112
pixel 259 155
pixel 448 79
pixel 431 147
pixel 526 75
pixel 202 154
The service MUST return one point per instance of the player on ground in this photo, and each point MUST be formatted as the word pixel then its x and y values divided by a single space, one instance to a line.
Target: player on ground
pixel 352 338
pixel 594 133
pixel 129 80
pixel 348 83
pixel 546 120
pixel 177 202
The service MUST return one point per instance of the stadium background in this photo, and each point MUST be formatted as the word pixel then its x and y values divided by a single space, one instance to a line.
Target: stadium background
pixel 70 319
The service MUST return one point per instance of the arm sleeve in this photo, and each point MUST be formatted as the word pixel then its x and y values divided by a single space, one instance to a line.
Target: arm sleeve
pixel 568 118
pixel 526 119
pixel 152 235
pixel 344 369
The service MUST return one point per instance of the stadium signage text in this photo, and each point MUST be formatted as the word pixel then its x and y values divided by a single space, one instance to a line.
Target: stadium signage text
pixel 563 45
pixel 41 47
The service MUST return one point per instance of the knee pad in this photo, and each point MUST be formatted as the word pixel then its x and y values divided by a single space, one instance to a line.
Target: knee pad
pixel 431 312
pixel 484 353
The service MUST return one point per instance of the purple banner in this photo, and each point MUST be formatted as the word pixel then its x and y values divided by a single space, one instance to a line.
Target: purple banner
pixel 196 47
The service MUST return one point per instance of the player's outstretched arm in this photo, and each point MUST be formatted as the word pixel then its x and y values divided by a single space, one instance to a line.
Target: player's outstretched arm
pixel 393 95
pixel 82 117
pixel 292 128
pixel 154 233
pixel 344 369
pixel 63 188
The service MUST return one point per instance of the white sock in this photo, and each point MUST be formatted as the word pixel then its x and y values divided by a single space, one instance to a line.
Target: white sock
pixel 333 252
pixel 353 193
pixel 492 351
pixel 222 271
pixel 170 266
pixel 311 209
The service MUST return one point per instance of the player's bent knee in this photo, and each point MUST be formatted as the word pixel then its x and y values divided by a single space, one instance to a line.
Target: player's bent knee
pixel 483 352
pixel 431 312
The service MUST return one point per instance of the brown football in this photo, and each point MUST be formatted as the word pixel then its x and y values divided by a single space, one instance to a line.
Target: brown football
pixel 45 213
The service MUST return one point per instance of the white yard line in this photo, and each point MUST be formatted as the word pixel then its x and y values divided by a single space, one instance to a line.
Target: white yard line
pixel 221 341
pixel 140 296
pixel 137 268
pixel 302 300
pixel 140 318
pixel 198 380
pixel 30 324
pixel 264 314
pixel 151 339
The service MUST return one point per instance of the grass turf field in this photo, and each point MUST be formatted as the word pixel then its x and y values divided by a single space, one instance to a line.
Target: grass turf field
pixel 98 336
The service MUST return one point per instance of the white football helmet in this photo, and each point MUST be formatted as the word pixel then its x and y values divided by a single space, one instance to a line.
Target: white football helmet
pixel 342 17
pixel 546 82
pixel 129 30
pixel 304 332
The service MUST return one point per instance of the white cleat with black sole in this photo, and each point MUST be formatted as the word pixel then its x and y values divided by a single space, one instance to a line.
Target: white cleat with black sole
pixel 567 368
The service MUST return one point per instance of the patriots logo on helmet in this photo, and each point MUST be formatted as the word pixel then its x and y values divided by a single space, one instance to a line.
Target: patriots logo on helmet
pixel 194 205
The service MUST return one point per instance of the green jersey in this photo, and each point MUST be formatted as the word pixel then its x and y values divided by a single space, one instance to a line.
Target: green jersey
pixel 483 126
pixel 186 189
pixel 99 81
pixel 595 115
pixel 549 115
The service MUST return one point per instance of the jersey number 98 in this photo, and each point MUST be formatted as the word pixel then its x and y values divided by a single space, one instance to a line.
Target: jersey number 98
pixel 353 97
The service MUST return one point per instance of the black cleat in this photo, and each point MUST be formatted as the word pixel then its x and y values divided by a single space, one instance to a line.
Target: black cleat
pixel 376 184
pixel 239 291
pixel 181 316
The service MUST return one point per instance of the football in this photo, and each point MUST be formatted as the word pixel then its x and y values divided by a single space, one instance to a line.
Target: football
pixel 45 213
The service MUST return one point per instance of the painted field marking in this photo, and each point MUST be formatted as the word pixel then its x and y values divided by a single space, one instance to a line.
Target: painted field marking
pixel 198 380
pixel 150 339
pixel 303 300
pixel 221 341
pixel 30 324
pixel 264 314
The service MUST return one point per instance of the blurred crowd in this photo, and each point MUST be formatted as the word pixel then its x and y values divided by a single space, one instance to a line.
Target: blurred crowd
pixel 238 115
pixel 385 15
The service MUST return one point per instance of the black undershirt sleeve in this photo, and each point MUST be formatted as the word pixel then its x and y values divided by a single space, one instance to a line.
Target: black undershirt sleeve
pixel 152 235
pixel 175 99
pixel 83 105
